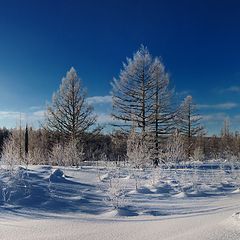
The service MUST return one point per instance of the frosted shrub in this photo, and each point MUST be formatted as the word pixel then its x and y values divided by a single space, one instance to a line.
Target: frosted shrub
pixel 138 153
pixel 116 191
pixel 175 151
pixel 198 155
pixel 57 156
pixel 155 176
pixel 36 156
pixel 11 155
pixel 69 155
pixel 74 154
pixel 102 164
pixel 13 174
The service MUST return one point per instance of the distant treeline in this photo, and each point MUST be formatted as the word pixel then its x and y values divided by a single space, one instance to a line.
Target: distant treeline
pixel 113 147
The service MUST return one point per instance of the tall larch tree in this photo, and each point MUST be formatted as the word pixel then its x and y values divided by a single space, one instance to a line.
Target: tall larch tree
pixel 69 113
pixel 161 122
pixel 140 97
pixel 131 95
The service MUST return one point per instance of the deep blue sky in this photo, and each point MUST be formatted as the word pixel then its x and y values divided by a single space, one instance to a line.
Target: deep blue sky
pixel 199 42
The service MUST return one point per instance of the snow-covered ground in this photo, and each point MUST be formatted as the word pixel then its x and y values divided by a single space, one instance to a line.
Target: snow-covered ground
pixel 187 202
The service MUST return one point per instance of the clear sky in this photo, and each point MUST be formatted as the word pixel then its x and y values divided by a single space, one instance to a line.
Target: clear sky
pixel 198 41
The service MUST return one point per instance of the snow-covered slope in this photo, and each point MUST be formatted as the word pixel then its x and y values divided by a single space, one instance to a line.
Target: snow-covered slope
pixel 104 203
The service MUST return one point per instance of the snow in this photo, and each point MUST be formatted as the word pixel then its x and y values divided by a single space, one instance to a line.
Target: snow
pixel 77 203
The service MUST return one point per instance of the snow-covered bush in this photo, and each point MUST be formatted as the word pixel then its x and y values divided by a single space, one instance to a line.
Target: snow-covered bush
pixel 57 156
pixel 175 151
pixel 69 155
pixel 138 153
pixel 13 179
pixel 198 155
pixel 155 176
pixel 116 191
pixel 74 154
pixel 11 157
pixel 36 156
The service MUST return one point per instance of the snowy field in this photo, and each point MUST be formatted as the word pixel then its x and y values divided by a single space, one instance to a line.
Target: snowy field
pixel 183 202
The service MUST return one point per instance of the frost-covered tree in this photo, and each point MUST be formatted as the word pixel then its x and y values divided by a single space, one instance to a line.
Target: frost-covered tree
pixel 189 121
pixel 141 97
pixel 69 113
pixel 131 92
pixel 227 142
pixel 161 122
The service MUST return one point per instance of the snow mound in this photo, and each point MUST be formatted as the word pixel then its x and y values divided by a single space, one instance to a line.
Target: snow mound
pixel 57 176
pixel 144 190
pixel 120 212
pixel 236 216
pixel 104 177
pixel 236 191
pixel 164 188
pixel 180 195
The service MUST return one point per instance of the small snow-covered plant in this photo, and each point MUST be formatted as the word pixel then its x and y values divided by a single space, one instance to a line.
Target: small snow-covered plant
pixel 234 170
pixel 14 175
pixel 198 155
pixel 69 155
pixel 138 153
pixel 36 156
pixel 137 177
pixel 74 154
pixel 175 151
pixel 155 176
pixel 104 164
pixel 116 191
pixel 57 156
pixel 103 157
pixel 196 179
pixel 10 155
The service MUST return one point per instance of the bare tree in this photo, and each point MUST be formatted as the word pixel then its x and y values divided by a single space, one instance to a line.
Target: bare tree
pixel 70 114
pixel 26 143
